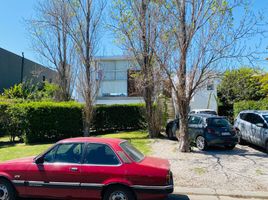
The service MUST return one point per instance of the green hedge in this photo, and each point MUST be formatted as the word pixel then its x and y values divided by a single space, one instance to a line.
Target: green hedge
pixel 250 105
pixel 50 121
pixel 3 116
pixel 119 117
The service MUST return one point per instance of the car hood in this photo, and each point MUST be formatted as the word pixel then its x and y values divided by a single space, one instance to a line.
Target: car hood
pixel 155 162
pixel 20 160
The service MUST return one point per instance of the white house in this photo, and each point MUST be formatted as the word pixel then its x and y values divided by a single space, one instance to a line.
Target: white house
pixel 117 86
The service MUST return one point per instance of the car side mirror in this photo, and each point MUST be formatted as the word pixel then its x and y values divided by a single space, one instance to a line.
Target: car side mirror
pixel 260 125
pixel 40 160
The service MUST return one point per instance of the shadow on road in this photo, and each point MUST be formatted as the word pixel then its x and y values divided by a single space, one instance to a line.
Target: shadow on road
pixel 177 197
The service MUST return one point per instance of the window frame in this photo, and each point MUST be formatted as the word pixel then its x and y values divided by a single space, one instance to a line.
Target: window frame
pixel 105 165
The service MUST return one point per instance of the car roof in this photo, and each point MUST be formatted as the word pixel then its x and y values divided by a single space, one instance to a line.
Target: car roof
pixel 260 112
pixel 205 115
pixel 198 110
pixel 110 141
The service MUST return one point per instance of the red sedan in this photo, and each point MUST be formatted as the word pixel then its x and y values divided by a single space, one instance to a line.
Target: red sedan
pixel 87 168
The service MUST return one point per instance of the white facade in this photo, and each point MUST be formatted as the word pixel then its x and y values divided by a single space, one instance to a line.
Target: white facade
pixel 204 98
pixel 114 80
pixel 114 85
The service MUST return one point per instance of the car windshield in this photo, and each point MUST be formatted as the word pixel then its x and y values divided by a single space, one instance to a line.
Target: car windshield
pixel 266 118
pixel 218 122
pixel 132 152
pixel 208 112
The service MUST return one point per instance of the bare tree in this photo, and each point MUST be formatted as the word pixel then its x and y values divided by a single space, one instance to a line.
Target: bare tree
pixel 196 38
pixel 50 38
pixel 85 32
pixel 135 26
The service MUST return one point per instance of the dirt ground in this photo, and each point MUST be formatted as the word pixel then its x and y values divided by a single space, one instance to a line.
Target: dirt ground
pixel 244 168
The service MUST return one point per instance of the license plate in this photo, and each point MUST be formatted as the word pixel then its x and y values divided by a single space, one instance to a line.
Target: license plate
pixel 225 133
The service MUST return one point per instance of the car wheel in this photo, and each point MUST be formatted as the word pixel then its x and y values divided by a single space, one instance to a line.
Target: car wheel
pixel 118 193
pixel 7 191
pixel 229 147
pixel 201 143
pixel 266 147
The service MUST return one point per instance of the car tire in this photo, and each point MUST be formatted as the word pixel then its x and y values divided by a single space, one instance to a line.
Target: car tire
pixel 118 193
pixel 229 147
pixel 7 191
pixel 266 147
pixel 201 143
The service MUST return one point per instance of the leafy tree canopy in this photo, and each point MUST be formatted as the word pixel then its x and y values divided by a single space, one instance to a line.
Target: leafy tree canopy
pixel 242 84
pixel 33 92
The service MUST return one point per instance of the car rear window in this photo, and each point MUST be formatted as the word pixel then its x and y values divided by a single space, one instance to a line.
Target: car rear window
pixel 132 152
pixel 265 117
pixel 218 122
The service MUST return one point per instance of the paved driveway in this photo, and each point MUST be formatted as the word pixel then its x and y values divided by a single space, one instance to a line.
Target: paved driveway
pixel 243 169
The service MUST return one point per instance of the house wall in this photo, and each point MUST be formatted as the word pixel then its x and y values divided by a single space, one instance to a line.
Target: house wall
pixel 10 70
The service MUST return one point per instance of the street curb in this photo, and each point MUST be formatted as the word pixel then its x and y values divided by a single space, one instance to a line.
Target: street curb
pixel 219 192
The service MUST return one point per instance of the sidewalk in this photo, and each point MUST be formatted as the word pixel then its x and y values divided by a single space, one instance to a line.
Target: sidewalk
pixel 219 192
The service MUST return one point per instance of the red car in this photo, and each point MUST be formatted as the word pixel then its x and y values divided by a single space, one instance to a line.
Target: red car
pixel 87 168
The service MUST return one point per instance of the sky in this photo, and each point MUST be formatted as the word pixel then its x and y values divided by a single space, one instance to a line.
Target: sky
pixel 14 36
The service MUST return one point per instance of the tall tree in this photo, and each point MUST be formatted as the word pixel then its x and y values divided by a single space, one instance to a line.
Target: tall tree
pixel 51 40
pixel 198 36
pixel 135 25
pixel 85 32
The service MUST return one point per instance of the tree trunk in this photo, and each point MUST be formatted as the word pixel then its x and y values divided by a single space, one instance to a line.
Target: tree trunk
pixel 88 111
pixel 183 135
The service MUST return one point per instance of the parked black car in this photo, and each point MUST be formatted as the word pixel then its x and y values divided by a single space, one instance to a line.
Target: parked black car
pixel 207 130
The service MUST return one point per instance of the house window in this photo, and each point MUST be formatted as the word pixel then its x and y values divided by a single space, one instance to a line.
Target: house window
pixel 210 86
pixel 50 80
pixel 44 78
pixel 132 88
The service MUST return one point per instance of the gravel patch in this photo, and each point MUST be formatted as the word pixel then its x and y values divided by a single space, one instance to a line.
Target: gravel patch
pixel 243 168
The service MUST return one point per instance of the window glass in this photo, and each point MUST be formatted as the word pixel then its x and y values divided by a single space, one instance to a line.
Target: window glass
pixel 243 116
pixel 210 112
pixel 253 118
pixel 194 120
pixel 100 154
pixel 69 153
pixel 218 122
pixel 265 117
pixel 132 152
pixel 49 157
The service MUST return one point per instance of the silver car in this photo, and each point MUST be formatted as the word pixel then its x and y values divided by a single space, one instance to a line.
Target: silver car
pixel 252 127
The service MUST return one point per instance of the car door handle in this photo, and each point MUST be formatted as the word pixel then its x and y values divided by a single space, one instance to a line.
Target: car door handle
pixel 74 169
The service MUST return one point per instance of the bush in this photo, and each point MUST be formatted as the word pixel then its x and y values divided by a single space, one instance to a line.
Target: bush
pixel 34 92
pixel 51 121
pixel 119 117
pixel 250 105
pixel 45 121
pixel 3 116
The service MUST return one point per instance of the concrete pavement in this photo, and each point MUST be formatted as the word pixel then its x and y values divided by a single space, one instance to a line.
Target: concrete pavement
pixel 184 193
pixel 205 197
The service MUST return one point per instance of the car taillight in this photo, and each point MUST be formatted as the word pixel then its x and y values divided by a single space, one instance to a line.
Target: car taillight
pixel 234 131
pixel 169 178
pixel 213 131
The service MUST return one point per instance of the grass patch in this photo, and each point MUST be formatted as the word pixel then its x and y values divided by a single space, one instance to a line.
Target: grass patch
pixel 15 150
pixel 137 138
pixel 9 151
pixel 199 170
pixel 259 172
